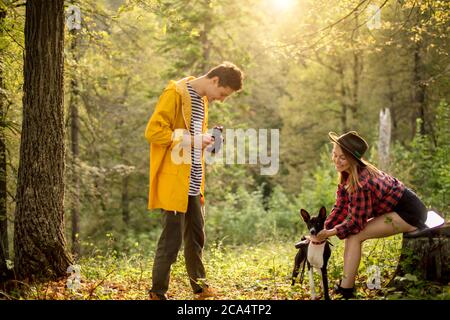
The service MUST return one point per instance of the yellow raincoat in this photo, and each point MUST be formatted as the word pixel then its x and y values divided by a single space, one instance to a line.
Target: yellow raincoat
pixel 169 180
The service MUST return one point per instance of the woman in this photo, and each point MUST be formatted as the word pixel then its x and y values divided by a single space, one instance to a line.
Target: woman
pixel 369 204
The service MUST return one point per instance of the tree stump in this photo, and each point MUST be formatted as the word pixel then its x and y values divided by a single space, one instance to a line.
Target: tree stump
pixel 426 256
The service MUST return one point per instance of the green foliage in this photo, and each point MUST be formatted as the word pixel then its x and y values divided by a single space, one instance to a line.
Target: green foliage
pixel 424 164
pixel 319 188
pixel 241 217
pixel 128 50
pixel 302 77
pixel 252 273
pixel 283 215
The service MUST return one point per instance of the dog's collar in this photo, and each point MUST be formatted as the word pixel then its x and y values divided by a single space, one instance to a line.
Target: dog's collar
pixel 318 242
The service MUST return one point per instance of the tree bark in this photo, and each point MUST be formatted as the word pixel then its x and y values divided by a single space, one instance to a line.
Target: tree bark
pixel 419 87
pixel 39 242
pixel 357 68
pixel 427 256
pixel 419 92
pixel 392 106
pixel 125 179
pixel 75 132
pixel 125 201
pixel 206 45
pixel 4 243
pixel 123 153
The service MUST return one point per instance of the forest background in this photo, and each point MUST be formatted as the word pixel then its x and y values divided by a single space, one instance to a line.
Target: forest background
pixel 310 67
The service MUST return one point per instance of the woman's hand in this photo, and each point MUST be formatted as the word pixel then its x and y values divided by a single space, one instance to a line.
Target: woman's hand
pixel 325 234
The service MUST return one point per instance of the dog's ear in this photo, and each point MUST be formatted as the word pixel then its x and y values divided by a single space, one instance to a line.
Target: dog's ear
pixel 305 215
pixel 323 213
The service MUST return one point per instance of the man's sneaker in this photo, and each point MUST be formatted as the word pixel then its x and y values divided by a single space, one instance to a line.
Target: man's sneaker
pixel 157 296
pixel 205 294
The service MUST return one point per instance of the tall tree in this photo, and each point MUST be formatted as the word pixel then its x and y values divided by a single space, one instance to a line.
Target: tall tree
pixel 74 138
pixel 39 242
pixel 3 190
pixel 419 88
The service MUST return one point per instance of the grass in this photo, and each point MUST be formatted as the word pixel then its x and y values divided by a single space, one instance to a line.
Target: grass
pixel 242 272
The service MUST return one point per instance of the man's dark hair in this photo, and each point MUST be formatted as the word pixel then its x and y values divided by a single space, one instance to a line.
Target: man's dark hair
pixel 229 75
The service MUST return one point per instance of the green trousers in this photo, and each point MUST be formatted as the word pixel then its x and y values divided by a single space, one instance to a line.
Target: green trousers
pixel 179 227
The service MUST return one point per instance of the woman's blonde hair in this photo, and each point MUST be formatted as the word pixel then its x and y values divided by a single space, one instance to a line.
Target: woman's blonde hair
pixel 352 177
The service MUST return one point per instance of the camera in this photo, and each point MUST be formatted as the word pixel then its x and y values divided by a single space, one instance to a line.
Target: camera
pixel 217 135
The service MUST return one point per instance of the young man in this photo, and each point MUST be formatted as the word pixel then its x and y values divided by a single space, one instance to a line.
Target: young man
pixel 177 187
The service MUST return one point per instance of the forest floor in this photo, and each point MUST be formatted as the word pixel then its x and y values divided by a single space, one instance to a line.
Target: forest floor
pixel 241 272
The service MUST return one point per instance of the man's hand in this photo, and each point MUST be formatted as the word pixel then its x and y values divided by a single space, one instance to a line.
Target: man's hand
pixel 202 140
pixel 207 140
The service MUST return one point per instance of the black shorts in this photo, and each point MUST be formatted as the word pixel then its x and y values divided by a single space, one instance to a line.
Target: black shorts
pixel 411 209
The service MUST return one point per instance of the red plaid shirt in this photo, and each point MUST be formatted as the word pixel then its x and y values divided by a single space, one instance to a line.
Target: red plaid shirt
pixel 378 195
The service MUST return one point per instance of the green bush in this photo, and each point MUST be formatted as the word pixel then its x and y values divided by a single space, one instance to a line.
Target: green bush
pixel 319 187
pixel 424 166
pixel 242 218
pixel 238 219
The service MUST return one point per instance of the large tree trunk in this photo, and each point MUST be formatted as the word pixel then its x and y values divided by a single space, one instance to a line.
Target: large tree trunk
pixel 39 242
pixel 427 256
pixel 4 244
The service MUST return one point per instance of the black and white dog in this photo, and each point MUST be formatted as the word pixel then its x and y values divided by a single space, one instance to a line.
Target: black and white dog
pixel 314 254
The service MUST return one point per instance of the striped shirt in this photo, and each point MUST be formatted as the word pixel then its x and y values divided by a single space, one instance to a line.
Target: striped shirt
pixel 195 178
pixel 378 195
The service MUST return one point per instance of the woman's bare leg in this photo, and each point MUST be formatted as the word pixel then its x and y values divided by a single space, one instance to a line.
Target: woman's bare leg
pixel 379 227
